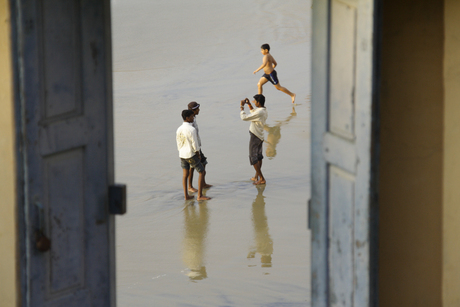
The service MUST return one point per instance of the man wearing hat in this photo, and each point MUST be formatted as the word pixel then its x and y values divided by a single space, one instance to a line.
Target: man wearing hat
pixel 195 107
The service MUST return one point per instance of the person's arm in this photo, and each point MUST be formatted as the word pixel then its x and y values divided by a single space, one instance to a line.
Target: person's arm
pixel 194 141
pixel 250 106
pixel 274 63
pixel 180 140
pixel 264 63
pixel 246 101
pixel 251 116
pixel 242 103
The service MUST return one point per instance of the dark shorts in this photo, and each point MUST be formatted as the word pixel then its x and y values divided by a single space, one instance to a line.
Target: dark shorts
pixel 204 160
pixel 255 149
pixel 272 77
pixel 193 162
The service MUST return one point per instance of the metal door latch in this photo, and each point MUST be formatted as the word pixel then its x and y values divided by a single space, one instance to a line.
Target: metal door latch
pixel 117 199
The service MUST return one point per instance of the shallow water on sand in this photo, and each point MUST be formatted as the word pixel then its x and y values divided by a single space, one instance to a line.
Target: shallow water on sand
pixel 248 245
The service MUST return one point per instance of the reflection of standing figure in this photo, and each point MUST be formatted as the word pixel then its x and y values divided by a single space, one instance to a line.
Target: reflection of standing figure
pixel 274 135
pixel 264 243
pixel 195 231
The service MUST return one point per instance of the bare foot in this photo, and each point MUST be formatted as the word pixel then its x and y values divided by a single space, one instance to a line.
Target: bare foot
pixel 254 178
pixel 207 186
pixel 203 198
pixel 192 189
pixel 188 197
pixel 260 182
pixel 293 98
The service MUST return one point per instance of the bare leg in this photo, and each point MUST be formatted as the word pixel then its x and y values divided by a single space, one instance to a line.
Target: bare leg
pixel 205 185
pixel 262 81
pixel 286 91
pixel 184 183
pixel 200 187
pixel 257 167
pixel 190 181
pixel 256 177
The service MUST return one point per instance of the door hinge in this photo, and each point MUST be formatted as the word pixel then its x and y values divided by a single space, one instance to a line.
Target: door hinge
pixel 117 199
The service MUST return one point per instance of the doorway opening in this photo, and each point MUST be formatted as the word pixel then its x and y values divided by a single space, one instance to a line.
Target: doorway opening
pixel 248 245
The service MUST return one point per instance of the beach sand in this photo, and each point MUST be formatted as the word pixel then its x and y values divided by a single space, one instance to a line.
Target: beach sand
pixel 248 245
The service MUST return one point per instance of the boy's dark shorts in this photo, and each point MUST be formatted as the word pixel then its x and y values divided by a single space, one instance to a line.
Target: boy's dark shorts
pixel 204 160
pixel 193 162
pixel 272 77
pixel 255 149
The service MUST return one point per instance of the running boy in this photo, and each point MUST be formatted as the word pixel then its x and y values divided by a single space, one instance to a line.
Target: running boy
pixel 257 117
pixel 189 153
pixel 268 65
pixel 195 107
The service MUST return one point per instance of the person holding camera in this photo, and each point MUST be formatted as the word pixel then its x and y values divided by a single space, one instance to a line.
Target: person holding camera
pixel 257 117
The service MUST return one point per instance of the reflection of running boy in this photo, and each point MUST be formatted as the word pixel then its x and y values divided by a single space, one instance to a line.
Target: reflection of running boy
pixel 195 107
pixel 257 117
pixel 274 135
pixel 189 153
pixel 268 65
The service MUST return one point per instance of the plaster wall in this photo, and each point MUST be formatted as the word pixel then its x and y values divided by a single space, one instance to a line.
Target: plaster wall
pixel 451 186
pixel 411 161
pixel 8 232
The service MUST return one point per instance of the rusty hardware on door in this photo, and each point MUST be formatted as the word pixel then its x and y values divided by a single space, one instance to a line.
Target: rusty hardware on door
pixel 42 243
pixel 117 199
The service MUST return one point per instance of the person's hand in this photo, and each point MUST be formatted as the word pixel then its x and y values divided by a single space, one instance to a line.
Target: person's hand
pixel 243 102
pixel 255 71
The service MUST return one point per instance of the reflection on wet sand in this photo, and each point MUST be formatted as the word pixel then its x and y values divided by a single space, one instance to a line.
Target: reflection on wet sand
pixel 263 241
pixel 195 231
pixel 274 135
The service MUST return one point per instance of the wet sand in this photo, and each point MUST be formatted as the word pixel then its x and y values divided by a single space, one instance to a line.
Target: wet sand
pixel 248 245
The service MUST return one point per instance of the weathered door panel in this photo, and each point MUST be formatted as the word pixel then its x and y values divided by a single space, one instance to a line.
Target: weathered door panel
pixel 65 84
pixel 341 199
pixel 342 123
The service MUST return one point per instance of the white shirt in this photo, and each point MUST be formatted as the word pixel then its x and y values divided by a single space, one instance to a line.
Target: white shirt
pixel 195 124
pixel 258 116
pixel 187 141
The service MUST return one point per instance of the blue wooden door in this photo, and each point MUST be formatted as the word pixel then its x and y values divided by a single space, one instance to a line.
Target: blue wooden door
pixel 64 93
pixel 343 129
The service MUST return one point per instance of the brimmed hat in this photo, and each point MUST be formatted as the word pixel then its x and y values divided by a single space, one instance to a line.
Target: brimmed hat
pixel 193 105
